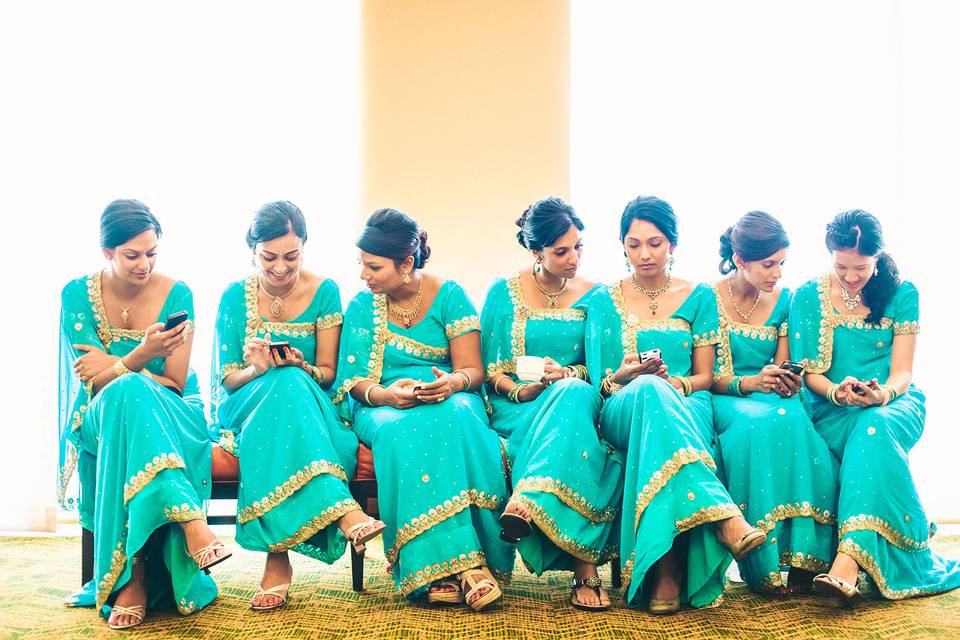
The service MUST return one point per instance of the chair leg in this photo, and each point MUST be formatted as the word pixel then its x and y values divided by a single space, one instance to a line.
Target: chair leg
pixel 615 576
pixel 86 556
pixel 356 564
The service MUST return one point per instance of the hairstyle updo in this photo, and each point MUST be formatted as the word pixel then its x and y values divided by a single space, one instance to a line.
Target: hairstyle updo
pixel 395 235
pixel 651 209
pixel 545 221
pixel 755 236
pixel 275 220
pixel 860 230
pixel 123 220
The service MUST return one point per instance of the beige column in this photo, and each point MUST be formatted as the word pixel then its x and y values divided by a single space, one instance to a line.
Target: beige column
pixel 465 122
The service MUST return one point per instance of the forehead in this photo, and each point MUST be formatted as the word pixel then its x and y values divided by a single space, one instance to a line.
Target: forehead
pixel 569 238
pixel 778 256
pixel 141 242
pixel 283 244
pixel 851 257
pixel 643 230
pixel 373 258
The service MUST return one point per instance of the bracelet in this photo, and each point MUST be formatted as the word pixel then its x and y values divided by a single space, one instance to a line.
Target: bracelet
pixel 466 377
pixel 686 384
pixel 119 368
pixel 366 393
pixel 317 374
pixel 832 394
pixel 735 387
pixel 496 384
pixel 578 371
pixel 514 395
pixel 609 387
pixel 890 394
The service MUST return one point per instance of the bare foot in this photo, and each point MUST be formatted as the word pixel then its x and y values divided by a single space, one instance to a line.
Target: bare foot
pixel 586 595
pixel 845 568
pixel 666 576
pixel 199 535
pixel 132 594
pixel 277 570
pixel 515 506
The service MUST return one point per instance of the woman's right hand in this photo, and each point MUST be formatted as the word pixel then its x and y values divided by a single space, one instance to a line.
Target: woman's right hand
pixel 631 367
pixel 158 343
pixel 400 394
pixel 769 380
pixel 531 391
pixel 256 351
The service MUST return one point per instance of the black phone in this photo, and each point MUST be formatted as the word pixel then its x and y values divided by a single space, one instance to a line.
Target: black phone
pixel 174 320
pixel 280 348
pixel 793 367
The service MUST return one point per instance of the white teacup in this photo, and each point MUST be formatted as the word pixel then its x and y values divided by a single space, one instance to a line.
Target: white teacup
pixel 530 368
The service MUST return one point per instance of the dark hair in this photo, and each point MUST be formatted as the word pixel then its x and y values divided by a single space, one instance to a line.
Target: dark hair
pixel 125 219
pixel 544 221
pixel 861 231
pixel 395 235
pixel 755 236
pixel 652 209
pixel 274 220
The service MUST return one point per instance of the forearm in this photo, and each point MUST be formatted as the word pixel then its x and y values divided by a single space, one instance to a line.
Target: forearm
pixel 240 377
pixel 818 383
pixel 899 381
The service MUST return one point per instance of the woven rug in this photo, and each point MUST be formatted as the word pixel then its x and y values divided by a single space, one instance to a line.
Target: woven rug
pixel 36 574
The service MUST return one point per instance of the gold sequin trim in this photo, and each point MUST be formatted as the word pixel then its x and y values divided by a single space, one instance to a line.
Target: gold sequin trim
pixel 186 608
pixel 105 586
pixel 144 477
pixel 712 513
pixel 290 486
pixel 864 522
pixel 228 443
pixel 256 324
pixel 184 513
pixel 870 565
pixel 566 495
pixel 95 295
pixel 327 517
pixel 375 357
pixel 329 321
pixel 795 510
pixel 464 325
pixel 549 527
pixel 661 477
pixel 909 327
pixel 66 473
pixel 230 368
pixel 426 521
pixel 784 330
pixel 631 325
pixel 295 329
pixel 422 577
pixel 414 347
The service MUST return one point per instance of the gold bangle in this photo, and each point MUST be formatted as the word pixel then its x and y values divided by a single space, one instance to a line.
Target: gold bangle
pixel 496 384
pixel 466 377
pixel 317 374
pixel 514 394
pixel 120 369
pixel 686 384
pixel 832 394
pixel 366 393
pixel 609 387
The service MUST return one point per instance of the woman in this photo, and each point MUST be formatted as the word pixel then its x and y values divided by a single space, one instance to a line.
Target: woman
pixel 776 466
pixel 650 353
pixel 272 412
pixel 409 366
pixel 565 483
pixel 132 422
pixel 855 330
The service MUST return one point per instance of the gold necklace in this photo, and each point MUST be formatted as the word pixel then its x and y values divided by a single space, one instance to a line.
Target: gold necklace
pixel 745 316
pixel 850 302
pixel 652 293
pixel 276 307
pixel 124 311
pixel 407 316
pixel 551 296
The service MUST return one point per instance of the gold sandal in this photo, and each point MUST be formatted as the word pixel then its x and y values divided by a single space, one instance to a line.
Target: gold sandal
pixel 663 607
pixel 359 541
pixel 747 543
pixel 138 612
pixel 445 597
pixel 475 579
pixel 845 592
pixel 278 591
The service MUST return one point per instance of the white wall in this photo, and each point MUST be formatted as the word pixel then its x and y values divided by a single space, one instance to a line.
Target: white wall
pixel 802 110
pixel 202 110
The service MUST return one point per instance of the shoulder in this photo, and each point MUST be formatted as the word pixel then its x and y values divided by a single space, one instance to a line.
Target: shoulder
pixel 361 302
pixel 496 289
pixel 234 291
pixel 77 286
pixel 906 294
pixel 808 289
pixel 703 293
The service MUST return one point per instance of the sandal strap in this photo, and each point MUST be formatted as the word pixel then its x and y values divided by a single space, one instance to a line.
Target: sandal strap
pixel 356 531
pixel 200 555
pixel 136 611
pixel 279 590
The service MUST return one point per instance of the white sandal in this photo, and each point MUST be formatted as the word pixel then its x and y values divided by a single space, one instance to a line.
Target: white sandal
pixel 359 541
pixel 138 612
pixel 469 578
pixel 279 591
pixel 202 556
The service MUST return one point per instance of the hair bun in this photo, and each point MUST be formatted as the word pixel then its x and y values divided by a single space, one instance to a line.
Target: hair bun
pixel 423 251
pixel 521 222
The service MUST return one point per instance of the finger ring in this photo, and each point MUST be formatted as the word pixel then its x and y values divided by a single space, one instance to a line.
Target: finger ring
pixel 441 398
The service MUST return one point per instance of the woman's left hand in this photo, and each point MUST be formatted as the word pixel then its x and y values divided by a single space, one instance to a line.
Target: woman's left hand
pixel 93 361
pixel 437 391
pixel 865 394
pixel 791 384
pixel 292 357
pixel 553 371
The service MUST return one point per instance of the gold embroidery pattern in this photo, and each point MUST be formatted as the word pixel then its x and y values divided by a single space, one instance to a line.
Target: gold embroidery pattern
pixel 549 527
pixel 184 513
pixel 631 325
pixel 909 327
pixel 186 608
pixel 864 522
pixel 773 582
pixel 795 510
pixel 256 324
pixel 375 361
pixel 712 513
pixel 105 586
pixel 231 368
pixel 464 325
pixel 66 473
pixel 501 366
pixel 426 521
pixel 784 330
pixel 413 581
pixel 295 329
pixel 327 517
pixel 290 486
pixel 871 566
pixel 415 347
pixel 228 444
pixel 706 339
pixel 566 495
pixel 660 478
pixel 144 477
pixel 95 295
pixel 329 321
pixel 136 335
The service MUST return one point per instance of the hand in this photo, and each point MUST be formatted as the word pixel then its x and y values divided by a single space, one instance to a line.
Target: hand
pixel 769 380
pixel 400 394
pixel 93 361
pixel 531 392
pixel 629 369
pixel 256 351
pixel 158 343
pixel 864 394
pixel 437 391
pixel 553 371
pixel 793 383
pixel 292 357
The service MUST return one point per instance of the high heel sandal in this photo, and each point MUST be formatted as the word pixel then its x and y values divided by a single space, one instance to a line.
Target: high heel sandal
pixel 447 596
pixel 358 541
pixel 278 591
pixel 138 612
pixel 513 526
pixel 475 579
pixel 845 592
pixel 747 543
pixel 202 557
pixel 594 583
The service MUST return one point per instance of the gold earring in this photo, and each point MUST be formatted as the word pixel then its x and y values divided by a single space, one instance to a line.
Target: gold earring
pixel 670 262
pixel 406 277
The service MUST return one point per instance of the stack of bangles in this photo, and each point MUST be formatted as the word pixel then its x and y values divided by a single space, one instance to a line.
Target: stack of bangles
pixel 366 393
pixel 889 394
pixel 735 387
pixel 465 377
pixel 121 370
pixel 315 372
pixel 608 387
pixel 686 384
pixel 514 394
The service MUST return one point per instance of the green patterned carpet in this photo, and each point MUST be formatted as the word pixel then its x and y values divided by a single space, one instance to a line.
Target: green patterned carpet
pixel 38 573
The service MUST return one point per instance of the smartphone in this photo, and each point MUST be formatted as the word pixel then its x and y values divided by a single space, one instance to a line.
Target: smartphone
pixel 652 354
pixel 279 348
pixel 174 320
pixel 859 389
pixel 793 367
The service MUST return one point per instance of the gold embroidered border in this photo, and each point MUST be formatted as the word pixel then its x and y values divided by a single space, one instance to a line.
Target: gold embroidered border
pixel 724 355
pixel 66 473
pixel 864 522
pixel 228 443
pixel 500 366
pixel 231 368
pixel 144 477
pixel 296 329
pixel 290 486
pixel 184 513
pixel 784 329
pixel 713 513
pixel 95 296
pixel 461 326
pixel 329 321
pixel 773 582
pixel 135 335
pixel 422 577
pixel 795 510
pixel 661 477
pixel 255 323
pixel 105 586
pixel 186 608
pixel 631 325
pixel 549 527
pixel 426 521
pixel 566 495
pixel 870 565
pixel 408 345
pixel 327 517
pixel 909 327
pixel 375 360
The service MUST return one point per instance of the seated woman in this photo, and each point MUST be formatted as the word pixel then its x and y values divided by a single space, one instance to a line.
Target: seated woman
pixel 650 350
pixel 566 483
pixel 272 412
pixel 855 331
pixel 409 368
pixel 776 466
pixel 132 422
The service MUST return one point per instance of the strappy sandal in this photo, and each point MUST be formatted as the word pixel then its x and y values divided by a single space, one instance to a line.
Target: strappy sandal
pixel 592 582
pixel 747 543
pixel 279 591
pixel 446 597
pixel 138 612
pixel 202 557
pixel 359 541
pixel 513 526
pixel 475 579
pixel 829 584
